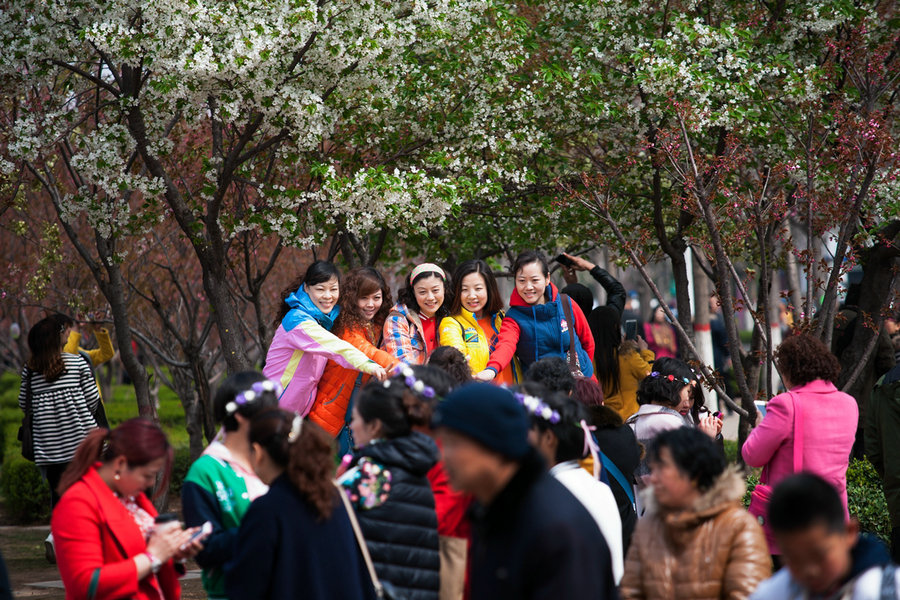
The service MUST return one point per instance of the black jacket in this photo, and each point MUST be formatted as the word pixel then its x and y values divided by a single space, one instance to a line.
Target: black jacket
pixel 284 550
pixel 535 541
pixel 401 533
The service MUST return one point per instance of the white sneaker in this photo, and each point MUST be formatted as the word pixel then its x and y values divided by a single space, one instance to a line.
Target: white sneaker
pixel 49 552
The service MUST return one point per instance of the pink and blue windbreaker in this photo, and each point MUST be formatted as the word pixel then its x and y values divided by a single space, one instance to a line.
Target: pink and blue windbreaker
pixel 302 346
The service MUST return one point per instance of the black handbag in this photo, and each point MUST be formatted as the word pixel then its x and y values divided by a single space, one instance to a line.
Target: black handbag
pixel 26 431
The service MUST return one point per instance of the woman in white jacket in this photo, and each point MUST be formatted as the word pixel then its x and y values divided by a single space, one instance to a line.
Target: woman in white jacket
pixel 560 432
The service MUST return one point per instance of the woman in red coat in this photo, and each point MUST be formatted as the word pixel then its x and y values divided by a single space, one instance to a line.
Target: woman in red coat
pixel 107 545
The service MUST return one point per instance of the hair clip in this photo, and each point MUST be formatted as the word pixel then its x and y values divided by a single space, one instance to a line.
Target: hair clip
pixel 538 408
pixel 296 424
pixel 409 379
pixel 256 390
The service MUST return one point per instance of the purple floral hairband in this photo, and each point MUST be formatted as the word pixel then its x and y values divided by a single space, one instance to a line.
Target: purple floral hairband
pixel 538 408
pixel 256 390
pixel 409 380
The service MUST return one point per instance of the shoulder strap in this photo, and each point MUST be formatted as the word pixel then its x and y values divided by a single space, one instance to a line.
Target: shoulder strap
pixel 567 311
pixel 798 433
pixel 613 470
pixel 29 406
pixel 889 582
pixel 360 541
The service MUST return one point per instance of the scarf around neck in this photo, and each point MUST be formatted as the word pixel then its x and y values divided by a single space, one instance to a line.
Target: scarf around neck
pixel 304 309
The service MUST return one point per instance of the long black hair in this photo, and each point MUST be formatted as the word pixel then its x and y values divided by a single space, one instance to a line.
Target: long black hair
pixel 494 302
pixel 319 271
pixel 604 322
pixel 407 294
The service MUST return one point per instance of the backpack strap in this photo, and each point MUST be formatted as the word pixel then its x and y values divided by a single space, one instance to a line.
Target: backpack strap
pixel 889 582
pixel 613 470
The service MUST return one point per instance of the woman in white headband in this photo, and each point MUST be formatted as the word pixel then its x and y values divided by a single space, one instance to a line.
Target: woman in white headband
pixel 411 331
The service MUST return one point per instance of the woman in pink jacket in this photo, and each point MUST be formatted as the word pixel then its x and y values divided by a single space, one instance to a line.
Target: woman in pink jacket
pixel 303 343
pixel 828 416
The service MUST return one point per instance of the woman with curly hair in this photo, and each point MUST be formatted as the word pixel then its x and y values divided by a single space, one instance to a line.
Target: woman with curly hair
pixel 808 370
pixel 365 303
pixel 296 540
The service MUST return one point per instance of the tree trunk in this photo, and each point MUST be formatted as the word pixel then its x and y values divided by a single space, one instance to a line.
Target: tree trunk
pixel 183 381
pixel 225 314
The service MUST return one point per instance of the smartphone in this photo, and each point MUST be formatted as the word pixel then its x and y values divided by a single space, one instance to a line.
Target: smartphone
pixel 631 329
pixel 202 533
pixel 760 406
pixel 565 261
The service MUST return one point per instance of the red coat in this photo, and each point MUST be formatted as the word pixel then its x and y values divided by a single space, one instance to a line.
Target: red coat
pixel 96 538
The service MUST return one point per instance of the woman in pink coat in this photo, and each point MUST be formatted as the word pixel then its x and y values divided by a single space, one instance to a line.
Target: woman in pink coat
pixel 829 417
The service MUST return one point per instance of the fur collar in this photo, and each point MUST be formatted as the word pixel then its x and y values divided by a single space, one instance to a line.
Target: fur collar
pixel 728 489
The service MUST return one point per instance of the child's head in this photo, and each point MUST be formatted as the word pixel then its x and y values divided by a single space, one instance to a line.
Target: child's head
pixel 807 517
pixel 659 389
pixel 453 363
pixel 553 373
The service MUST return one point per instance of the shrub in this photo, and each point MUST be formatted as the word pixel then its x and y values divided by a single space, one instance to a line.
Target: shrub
pixel 865 497
pixel 26 494
pixel 866 501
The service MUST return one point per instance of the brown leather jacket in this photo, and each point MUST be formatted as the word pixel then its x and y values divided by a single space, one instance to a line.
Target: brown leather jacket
pixel 714 550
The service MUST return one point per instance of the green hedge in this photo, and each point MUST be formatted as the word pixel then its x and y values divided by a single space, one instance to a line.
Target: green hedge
pixel 26 495
pixel 865 497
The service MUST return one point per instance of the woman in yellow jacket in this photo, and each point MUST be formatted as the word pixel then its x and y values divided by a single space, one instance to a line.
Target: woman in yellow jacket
pixel 620 364
pixel 477 311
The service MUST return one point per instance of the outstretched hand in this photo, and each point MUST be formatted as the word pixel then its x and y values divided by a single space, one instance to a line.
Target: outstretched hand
pixel 487 375
pixel 580 264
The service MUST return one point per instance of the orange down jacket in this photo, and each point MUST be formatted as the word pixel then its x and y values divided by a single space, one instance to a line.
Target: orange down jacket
pixel 715 550
pixel 337 382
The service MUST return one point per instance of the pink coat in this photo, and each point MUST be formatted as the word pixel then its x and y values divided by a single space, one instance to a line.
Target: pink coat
pixel 829 424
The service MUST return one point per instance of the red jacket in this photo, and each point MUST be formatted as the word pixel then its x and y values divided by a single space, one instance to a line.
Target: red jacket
pixel 96 539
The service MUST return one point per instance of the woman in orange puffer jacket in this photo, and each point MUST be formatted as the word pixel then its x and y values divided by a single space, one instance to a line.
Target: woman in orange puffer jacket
pixel 365 303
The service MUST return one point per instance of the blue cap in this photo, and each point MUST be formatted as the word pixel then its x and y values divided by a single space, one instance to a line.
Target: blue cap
pixel 488 414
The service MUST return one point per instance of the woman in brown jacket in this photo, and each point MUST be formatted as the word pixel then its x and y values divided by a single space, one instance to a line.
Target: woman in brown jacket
pixel 696 540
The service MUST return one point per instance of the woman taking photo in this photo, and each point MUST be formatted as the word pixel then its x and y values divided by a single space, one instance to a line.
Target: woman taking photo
pixel 107 545
pixel 412 329
pixel 812 416
pixel 477 315
pixel 63 395
pixel 365 303
pixel 536 325
pixel 388 486
pixel 221 484
pixel 621 364
pixel 303 342
pixel 296 541
pixel 696 542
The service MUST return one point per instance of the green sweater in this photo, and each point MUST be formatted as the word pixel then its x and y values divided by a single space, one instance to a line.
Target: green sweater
pixel 215 490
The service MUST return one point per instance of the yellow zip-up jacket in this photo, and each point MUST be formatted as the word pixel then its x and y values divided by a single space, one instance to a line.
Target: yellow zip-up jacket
pixel 97 356
pixel 463 332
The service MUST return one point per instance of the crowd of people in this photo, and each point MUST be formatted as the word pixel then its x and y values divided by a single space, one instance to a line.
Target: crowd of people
pixel 443 447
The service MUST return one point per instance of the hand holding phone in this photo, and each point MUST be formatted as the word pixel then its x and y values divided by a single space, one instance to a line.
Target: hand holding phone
pixel 565 261
pixel 203 532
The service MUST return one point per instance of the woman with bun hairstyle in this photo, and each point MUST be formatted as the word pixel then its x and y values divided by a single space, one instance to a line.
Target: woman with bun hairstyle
pixel 535 326
pixel 477 315
pixel 303 342
pixel 296 541
pixel 387 482
pixel 221 484
pixel 412 329
pixel 107 544
pixel 365 303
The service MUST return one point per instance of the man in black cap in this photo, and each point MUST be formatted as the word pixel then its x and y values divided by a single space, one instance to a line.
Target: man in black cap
pixel 531 538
